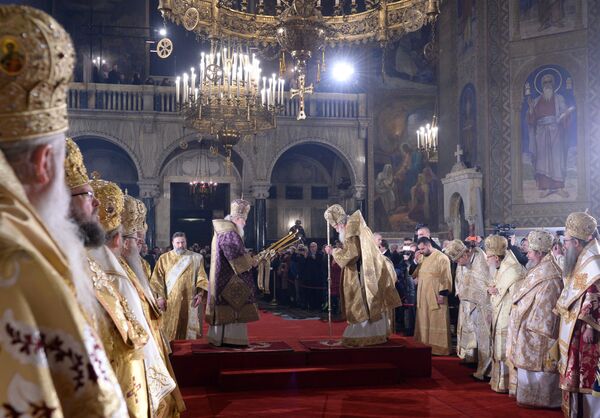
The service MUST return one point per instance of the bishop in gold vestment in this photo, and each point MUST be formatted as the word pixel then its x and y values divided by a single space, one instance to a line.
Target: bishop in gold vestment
pixel 579 310
pixel 51 360
pixel 434 283
pixel 475 310
pixel 179 281
pixel 368 292
pixel 532 346
pixel 508 274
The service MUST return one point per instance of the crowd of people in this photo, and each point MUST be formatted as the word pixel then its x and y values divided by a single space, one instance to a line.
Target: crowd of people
pixel 112 75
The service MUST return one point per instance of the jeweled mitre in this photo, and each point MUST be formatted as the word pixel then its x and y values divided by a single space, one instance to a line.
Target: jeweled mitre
pixel 36 65
pixel 112 202
pixel 75 172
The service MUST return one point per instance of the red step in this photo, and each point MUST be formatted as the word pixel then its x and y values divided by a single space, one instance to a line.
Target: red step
pixel 365 374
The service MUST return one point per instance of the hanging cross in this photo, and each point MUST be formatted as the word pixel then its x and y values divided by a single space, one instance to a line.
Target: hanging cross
pixel 300 92
pixel 459 152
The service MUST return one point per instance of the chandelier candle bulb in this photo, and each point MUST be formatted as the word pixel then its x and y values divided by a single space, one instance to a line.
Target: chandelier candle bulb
pixel 177 81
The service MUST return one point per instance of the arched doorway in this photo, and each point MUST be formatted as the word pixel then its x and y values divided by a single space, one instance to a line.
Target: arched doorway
pixel 182 209
pixel 304 180
pixel 458 222
pixel 111 161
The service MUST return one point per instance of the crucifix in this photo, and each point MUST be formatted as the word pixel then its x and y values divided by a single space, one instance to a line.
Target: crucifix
pixel 458 154
pixel 300 92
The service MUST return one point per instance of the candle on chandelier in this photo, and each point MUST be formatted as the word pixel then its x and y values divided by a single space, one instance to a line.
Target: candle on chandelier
pixel 185 87
pixel 177 81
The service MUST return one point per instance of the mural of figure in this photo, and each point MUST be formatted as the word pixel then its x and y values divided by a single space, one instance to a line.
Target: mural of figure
pixel 466 18
pixel 543 17
pixel 468 128
pixel 548 118
pixel 551 13
pixel 406 174
pixel 384 187
pixel 419 201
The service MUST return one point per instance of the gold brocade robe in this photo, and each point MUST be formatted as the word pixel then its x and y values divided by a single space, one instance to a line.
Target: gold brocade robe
pixel 507 280
pixel 179 321
pixel 123 338
pixel 533 331
pixel 368 280
pixel 432 326
pixel 51 360
pixel 475 310
pixel 173 404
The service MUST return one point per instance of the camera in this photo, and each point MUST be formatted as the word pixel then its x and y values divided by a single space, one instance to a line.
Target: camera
pixel 504 230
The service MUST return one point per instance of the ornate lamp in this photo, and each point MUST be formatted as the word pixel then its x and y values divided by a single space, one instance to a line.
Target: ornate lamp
pixel 427 140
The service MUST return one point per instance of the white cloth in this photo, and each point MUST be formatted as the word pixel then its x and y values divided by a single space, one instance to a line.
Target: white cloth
pixel 590 405
pixel 235 334
pixel 538 389
pixel 367 330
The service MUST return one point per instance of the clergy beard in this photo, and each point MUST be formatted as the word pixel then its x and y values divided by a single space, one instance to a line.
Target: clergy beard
pixel 179 251
pixel 53 207
pixel 91 232
pixel 240 230
pixel 548 93
pixel 135 262
pixel 570 261
pixel 342 235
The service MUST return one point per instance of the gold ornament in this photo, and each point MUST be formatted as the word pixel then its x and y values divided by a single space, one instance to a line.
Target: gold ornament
pixel 240 208
pixel 36 65
pixel 495 245
pixel 164 48
pixel 111 200
pixel 540 241
pixel 455 249
pixel 580 225
pixel 335 214
pixel 75 172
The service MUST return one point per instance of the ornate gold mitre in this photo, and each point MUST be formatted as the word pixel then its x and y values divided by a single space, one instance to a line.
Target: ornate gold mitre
pixel 540 240
pixel 580 225
pixel 111 200
pixel 240 208
pixel 335 214
pixel 495 245
pixel 133 217
pixel 455 249
pixel 36 65
pixel 75 171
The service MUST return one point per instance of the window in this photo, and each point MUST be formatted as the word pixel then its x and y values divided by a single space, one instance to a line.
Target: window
pixel 293 192
pixel 319 193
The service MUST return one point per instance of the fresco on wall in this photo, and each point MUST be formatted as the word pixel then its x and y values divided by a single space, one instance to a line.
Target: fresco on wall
pixel 468 125
pixel 467 14
pixel 404 58
pixel 545 17
pixel 406 185
pixel 549 136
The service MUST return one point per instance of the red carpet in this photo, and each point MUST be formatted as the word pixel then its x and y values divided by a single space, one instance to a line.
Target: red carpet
pixel 450 392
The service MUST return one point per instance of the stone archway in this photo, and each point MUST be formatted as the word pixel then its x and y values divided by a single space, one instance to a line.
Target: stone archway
pixel 463 186
pixel 111 160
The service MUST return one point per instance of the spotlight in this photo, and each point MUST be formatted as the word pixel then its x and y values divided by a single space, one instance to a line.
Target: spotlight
pixel 162 32
pixel 342 71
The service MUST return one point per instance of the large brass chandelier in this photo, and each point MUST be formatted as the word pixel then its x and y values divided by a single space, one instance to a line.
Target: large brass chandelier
pixel 301 28
pixel 227 96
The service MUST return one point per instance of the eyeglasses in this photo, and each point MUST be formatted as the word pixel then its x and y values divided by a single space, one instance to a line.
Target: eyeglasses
pixel 88 194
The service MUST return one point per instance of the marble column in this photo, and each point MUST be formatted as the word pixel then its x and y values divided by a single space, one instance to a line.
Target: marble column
pixel 149 193
pixel 260 193
pixel 360 193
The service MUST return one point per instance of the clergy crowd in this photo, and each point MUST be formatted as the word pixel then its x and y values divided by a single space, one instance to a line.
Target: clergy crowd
pixel 86 324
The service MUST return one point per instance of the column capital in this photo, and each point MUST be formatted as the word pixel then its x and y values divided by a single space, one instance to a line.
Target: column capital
pixel 360 191
pixel 149 188
pixel 260 189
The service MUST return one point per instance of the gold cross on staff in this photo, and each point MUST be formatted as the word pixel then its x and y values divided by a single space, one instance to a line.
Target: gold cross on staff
pixel 300 92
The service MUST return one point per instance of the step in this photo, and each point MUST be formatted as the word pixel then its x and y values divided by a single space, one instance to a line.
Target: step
pixel 366 374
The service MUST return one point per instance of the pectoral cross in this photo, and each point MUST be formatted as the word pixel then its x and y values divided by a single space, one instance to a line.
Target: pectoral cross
pixel 134 390
pixel 459 152
pixel 300 92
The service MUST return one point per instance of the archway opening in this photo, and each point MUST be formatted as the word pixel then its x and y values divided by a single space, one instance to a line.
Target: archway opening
pixel 304 179
pixel 112 162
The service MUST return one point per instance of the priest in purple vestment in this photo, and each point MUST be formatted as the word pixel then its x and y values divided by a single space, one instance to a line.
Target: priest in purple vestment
pixel 231 301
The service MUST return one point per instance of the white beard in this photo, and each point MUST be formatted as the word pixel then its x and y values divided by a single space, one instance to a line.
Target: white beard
pixel 548 93
pixel 53 207
pixel 240 230
pixel 342 236
pixel 135 262
pixel 179 251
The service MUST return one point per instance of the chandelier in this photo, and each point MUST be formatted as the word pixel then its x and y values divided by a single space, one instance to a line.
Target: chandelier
pixel 227 96
pixel 427 140
pixel 301 28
